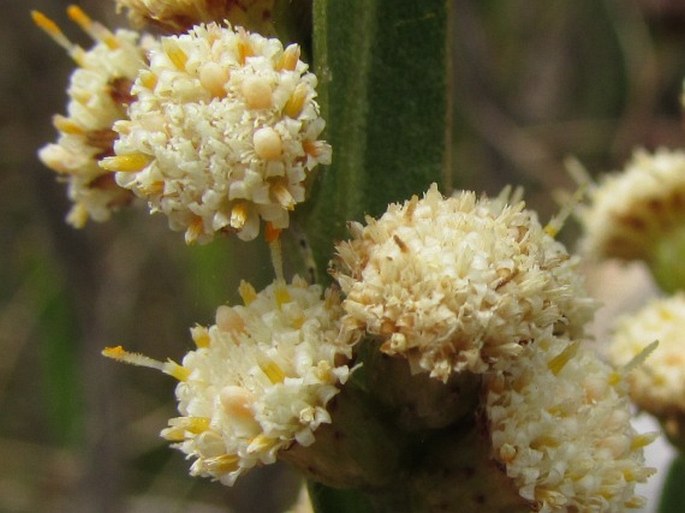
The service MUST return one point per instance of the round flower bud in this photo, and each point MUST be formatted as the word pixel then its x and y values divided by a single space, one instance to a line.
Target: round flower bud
pixel 657 385
pixel 99 92
pixel 458 283
pixel 260 379
pixel 223 133
pixel 559 420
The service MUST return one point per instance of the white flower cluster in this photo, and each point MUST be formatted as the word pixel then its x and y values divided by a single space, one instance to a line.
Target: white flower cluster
pixel 260 379
pixel 658 384
pixel 458 283
pixel 559 421
pixel 99 91
pixel 629 210
pixel 223 133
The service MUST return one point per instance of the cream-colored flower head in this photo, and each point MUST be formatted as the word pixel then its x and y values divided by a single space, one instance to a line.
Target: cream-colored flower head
pixel 658 384
pixel 458 283
pixel 180 15
pixel 99 91
pixel 224 133
pixel 630 210
pixel 560 423
pixel 259 380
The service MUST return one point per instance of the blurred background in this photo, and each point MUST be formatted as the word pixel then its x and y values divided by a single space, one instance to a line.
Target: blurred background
pixel 535 82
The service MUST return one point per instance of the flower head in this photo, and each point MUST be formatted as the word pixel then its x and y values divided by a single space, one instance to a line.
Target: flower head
pixel 658 384
pixel 99 91
pixel 223 133
pixel 631 210
pixel 180 15
pixel 259 380
pixel 560 423
pixel 458 283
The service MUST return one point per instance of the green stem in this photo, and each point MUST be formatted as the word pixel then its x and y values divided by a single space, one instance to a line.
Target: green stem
pixel 673 495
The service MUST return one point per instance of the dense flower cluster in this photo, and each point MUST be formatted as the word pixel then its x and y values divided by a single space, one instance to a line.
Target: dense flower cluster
pixel 458 283
pixel 260 379
pixel 180 15
pixel 560 423
pixel 223 132
pixel 628 211
pixel 99 92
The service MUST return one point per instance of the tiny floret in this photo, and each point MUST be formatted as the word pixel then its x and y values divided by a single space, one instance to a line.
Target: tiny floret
pixel 458 283
pixel 629 211
pixel 559 421
pixel 224 130
pixel 260 379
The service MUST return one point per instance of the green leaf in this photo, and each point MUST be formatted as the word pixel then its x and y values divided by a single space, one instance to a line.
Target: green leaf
pixel 383 68
pixel 673 495
pixel 329 500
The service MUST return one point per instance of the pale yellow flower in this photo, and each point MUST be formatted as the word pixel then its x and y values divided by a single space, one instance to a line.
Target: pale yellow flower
pixel 99 91
pixel 458 283
pixel 631 210
pixel 658 384
pixel 560 423
pixel 260 378
pixel 180 15
pixel 224 133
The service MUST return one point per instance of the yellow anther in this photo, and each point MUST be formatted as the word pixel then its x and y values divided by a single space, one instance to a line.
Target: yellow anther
pixel 94 29
pixel 222 464
pixel 200 336
pixel 131 163
pixel 614 378
pixel 244 47
pixel 288 60
pixel 281 294
pixel 177 56
pixel 52 29
pixel 238 215
pixel 175 370
pixel 259 443
pixel 643 440
pixel 247 292
pixel 557 363
pixel 148 79
pixel 67 126
pixel 178 427
pixel 293 107
pixel 272 371
pixel 195 229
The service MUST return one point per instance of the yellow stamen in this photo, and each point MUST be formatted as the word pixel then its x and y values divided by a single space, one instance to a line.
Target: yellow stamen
pixel 148 79
pixel 195 229
pixel 259 443
pixel 169 367
pixel 52 29
pixel 244 47
pixel 614 378
pixel 557 363
pixel 288 60
pixel 200 336
pixel 281 294
pixel 554 226
pixel 640 358
pixel 272 371
pixel 67 126
pixel 222 464
pixel 94 29
pixel 238 215
pixel 293 107
pixel 643 440
pixel 283 196
pixel 177 56
pixel 131 163
pixel 247 292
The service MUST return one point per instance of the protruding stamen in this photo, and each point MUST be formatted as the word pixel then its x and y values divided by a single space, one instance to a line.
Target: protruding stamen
pixel 169 367
pixel 247 292
pixel 293 107
pixel 94 29
pixel 177 56
pixel 554 226
pixel 640 358
pixel 148 79
pixel 194 230
pixel 288 60
pixel 131 163
pixel 642 440
pixel 200 336
pixel 178 427
pixel 222 464
pixel 557 363
pixel 281 293
pixel 52 29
